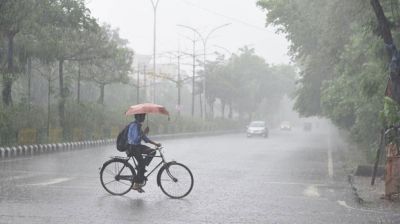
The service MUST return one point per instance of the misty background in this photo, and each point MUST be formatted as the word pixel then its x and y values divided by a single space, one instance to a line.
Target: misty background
pixel 72 68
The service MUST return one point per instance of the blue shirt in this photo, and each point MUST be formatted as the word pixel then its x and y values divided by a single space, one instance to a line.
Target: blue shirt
pixel 135 134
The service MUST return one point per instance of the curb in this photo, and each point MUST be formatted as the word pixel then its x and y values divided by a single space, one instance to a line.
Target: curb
pixel 31 150
pixel 350 179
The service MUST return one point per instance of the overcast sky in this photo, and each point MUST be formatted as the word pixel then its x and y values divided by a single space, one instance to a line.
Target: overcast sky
pixel 134 18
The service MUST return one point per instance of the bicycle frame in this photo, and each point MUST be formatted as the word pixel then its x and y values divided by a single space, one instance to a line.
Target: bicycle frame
pixel 162 162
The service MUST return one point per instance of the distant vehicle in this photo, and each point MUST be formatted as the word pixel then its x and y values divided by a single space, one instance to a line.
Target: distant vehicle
pixel 285 126
pixel 307 126
pixel 257 128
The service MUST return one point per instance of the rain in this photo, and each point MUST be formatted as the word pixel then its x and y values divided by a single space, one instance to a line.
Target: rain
pixel 187 111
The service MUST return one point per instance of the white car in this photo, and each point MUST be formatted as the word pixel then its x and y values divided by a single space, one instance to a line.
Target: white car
pixel 257 128
pixel 285 126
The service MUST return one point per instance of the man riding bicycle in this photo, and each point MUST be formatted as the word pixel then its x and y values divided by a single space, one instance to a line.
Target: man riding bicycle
pixel 136 149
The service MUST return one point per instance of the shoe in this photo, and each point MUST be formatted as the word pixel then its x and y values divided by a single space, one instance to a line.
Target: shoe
pixel 138 187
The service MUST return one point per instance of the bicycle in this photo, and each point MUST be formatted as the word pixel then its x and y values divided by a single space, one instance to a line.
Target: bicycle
pixel 174 179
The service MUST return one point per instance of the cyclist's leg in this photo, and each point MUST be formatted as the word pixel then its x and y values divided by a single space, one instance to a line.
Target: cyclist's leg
pixel 149 152
pixel 135 151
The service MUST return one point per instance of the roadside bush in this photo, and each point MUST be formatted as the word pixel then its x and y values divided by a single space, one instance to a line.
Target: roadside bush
pixel 96 122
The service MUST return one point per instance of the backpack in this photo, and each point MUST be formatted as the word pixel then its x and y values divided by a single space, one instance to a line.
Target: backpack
pixel 122 139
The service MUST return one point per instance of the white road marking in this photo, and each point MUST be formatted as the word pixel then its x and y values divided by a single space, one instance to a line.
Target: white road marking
pixel 51 182
pixel 311 191
pixel 330 162
pixel 12 178
pixel 88 187
pixel 305 198
pixel 344 204
pixel 47 173
pixel 293 183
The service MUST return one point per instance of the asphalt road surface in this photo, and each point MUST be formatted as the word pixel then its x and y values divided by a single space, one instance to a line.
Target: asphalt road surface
pixel 290 177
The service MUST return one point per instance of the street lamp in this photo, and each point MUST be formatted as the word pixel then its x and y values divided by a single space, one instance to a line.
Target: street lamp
pixel 204 40
pixel 224 49
pixel 154 4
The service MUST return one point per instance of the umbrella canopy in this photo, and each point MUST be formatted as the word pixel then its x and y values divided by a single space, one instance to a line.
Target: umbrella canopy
pixel 146 108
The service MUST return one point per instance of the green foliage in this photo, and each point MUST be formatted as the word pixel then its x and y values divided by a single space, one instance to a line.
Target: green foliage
pixel 245 81
pixel 342 60
pixel 391 112
pixel 92 118
pixel 319 32
pixel 337 103
pixel 113 61
pixel 14 118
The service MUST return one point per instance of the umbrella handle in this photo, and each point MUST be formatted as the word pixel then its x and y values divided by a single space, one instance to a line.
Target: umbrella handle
pixel 146 130
pixel 147 124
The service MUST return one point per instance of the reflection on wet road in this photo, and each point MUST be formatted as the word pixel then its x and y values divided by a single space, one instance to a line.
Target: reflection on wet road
pixel 290 177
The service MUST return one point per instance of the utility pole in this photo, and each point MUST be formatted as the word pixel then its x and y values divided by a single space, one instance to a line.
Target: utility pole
pixel 176 78
pixel 204 40
pixel 179 84
pixel 193 74
pixel 194 56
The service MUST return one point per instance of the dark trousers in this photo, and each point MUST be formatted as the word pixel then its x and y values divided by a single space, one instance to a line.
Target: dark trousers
pixel 137 151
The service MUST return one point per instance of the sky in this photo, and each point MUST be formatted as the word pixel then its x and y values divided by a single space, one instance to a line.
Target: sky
pixel 134 19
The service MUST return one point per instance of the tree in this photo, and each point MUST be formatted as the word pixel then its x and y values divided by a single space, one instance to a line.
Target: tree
pixel 64 24
pixel 342 62
pixel 318 32
pixel 245 80
pixel 48 71
pixel 14 16
pixel 116 63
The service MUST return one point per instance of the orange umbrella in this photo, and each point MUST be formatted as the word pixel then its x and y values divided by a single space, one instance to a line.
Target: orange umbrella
pixel 146 108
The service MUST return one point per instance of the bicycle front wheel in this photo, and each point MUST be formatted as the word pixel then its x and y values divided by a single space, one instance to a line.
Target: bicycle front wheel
pixel 116 176
pixel 175 180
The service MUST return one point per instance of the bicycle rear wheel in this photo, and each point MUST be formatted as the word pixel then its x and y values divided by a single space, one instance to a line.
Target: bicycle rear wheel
pixel 116 176
pixel 175 180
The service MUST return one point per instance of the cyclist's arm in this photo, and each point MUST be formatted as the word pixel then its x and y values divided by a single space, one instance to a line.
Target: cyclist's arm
pixel 147 140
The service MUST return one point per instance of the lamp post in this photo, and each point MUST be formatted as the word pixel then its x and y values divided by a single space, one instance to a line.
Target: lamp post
pixel 204 39
pixel 155 5
pixel 224 49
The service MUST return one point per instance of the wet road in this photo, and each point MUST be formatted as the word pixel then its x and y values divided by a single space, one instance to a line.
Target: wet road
pixel 291 177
